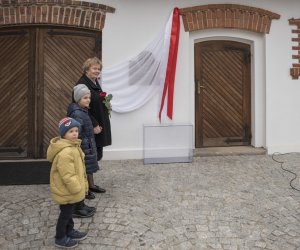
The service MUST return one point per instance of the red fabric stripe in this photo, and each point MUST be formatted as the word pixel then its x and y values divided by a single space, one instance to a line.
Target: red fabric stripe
pixel 171 66
pixel 173 63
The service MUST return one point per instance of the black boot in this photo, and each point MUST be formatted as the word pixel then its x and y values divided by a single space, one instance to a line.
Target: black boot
pixel 97 189
pixel 90 195
pixel 81 211
pixel 88 208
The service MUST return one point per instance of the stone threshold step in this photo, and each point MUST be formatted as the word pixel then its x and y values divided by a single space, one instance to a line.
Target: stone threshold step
pixel 234 150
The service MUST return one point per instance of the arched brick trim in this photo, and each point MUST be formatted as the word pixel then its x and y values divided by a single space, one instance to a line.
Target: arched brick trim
pixel 227 16
pixel 67 13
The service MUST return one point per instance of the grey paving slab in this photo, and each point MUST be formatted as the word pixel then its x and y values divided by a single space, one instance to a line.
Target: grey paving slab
pixel 222 202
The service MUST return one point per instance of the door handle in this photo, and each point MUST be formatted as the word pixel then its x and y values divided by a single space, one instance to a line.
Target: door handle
pixel 199 87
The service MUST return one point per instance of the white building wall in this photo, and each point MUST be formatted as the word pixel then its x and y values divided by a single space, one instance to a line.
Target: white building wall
pixel 282 93
pixel 275 96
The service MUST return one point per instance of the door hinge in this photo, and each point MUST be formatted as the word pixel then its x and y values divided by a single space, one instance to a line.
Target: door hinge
pixel 246 138
pixel 246 53
pixel 18 150
pixel 14 33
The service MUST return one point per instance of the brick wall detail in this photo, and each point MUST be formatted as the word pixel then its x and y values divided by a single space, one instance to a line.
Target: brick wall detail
pixel 295 70
pixel 67 13
pixel 227 16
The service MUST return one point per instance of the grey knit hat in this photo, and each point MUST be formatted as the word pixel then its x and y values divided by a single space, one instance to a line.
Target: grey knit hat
pixel 79 91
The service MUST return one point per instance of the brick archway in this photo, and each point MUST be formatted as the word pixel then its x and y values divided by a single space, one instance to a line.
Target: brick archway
pixel 66 13
pixel 227 16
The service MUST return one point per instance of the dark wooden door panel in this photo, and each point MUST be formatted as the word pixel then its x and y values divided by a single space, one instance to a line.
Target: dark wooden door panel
pixel 14 60
pixel 38 69
pixel 222 76
pixel 64 54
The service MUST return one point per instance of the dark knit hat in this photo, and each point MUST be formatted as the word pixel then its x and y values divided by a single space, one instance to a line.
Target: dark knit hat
pixel 79 91
pixel 67 123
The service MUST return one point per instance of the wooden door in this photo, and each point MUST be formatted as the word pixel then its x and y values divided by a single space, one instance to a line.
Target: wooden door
pixel 38 69
pixel 15 89
pixel 63 54
pixel 222 93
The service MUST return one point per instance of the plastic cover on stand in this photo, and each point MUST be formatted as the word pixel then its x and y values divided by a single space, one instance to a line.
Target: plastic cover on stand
pixel 168 143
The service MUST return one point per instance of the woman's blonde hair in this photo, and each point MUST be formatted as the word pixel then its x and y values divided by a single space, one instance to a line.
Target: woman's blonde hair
pixel 90 62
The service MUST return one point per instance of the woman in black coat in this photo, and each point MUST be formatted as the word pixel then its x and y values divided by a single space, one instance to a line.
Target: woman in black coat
pixel 98 112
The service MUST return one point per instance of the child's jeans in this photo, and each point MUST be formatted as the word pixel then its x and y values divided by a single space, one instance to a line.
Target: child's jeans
pixel 65 223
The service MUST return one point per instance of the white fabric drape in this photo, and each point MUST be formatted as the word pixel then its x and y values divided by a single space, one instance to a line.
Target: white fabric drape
pixel 133 83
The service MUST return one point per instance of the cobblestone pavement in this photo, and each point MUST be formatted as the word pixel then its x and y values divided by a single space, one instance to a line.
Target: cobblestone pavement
pixel 223 202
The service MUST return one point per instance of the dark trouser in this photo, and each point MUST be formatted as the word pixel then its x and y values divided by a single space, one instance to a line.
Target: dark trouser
pixel 99 153
pixel 65 223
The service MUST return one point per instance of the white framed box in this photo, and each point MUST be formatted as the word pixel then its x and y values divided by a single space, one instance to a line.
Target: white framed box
pixel 168 143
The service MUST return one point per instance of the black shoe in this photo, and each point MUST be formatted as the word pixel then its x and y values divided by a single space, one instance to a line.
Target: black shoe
pixel 76 235
pixel 88 208
pixel 97 189
pixel 90 195
pixel 66 242
pixel 82 213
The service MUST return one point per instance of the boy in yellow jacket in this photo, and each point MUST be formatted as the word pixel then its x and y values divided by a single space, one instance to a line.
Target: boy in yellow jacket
pixel 68 181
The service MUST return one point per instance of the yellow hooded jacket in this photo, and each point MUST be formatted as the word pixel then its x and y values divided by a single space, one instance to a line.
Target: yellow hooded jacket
pixel 68 182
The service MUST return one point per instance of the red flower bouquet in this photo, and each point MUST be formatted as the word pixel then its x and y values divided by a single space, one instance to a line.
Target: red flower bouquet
pixel 106 101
